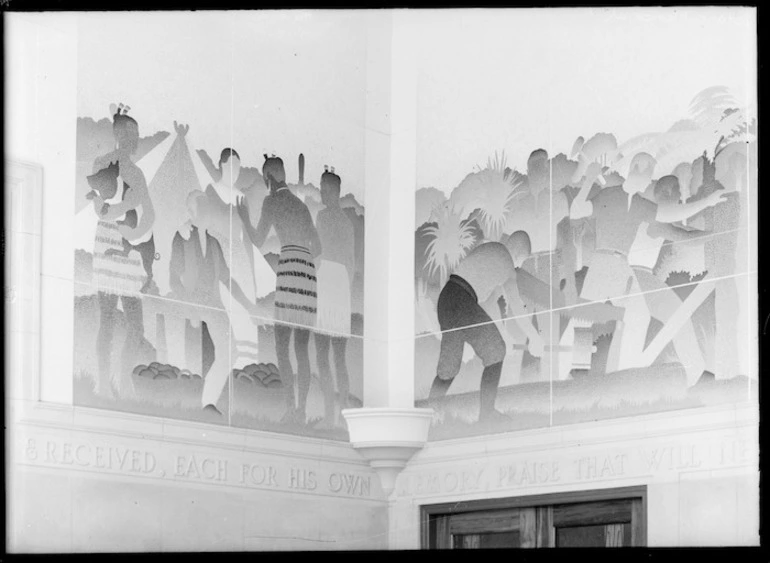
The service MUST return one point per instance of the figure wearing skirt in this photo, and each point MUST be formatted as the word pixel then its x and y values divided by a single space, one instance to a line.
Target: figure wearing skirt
pixel 295 292
pixel 335 273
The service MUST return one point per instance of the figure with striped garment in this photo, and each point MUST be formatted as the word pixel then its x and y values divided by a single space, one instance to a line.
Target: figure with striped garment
pixel 295 294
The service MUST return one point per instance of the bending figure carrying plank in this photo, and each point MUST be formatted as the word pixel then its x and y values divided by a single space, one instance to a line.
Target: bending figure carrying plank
pixel 466 307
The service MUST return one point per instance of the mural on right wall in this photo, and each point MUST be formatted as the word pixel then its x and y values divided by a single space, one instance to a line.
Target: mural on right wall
pixel 601 283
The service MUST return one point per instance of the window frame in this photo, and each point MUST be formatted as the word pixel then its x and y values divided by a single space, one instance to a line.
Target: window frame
pixel 434 518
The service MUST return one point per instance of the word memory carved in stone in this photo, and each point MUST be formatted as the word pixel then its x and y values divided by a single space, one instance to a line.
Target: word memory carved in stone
pixel 522 473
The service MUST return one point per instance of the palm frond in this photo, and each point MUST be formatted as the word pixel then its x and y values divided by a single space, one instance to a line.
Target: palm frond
pixel 451 240
pixel 709 105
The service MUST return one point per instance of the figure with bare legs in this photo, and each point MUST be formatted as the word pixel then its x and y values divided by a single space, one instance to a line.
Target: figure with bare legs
pixel 295 295
pixel 336 268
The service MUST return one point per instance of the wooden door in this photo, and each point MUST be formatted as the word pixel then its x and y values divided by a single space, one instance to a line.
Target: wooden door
pixel 496 529
pixel 596 524
pixel 605 518
pixel 605 523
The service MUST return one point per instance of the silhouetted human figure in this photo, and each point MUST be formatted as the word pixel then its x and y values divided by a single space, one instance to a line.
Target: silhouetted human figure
pixel 118 276
pixel 720 252
pixel 733 166
pixel 619 211
pixel 466 306
pixel 103 183
pixel 295 295
pixel 539 214
pixel 661 300
pixel 135 229
pixel 688 257
pixel 520 248
pixel 572 346
pixel 336 268
pixel 200 275
pixel 224 223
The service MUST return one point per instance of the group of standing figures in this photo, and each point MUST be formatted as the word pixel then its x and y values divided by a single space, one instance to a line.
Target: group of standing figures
pixel 211 265
pixel 586 253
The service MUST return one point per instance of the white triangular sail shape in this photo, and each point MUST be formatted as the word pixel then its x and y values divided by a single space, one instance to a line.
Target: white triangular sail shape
pixel 151 161
pixel 170 181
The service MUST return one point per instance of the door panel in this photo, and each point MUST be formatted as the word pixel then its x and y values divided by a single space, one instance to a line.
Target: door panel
pixel 589 513
pixel 528 527
pixel 443 538
pixel 546 533
pixel 483 522
pixel 610 535
pixel 617 535
pixel 492 529
pixel 493 540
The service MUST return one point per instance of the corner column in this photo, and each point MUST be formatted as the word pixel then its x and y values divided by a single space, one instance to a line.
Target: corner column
pixel 388 430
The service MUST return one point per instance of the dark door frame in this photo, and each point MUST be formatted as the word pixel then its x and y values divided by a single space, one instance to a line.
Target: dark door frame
pixel 430 512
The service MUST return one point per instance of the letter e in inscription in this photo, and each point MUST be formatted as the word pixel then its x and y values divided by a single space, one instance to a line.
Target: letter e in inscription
pixel 100 457
pixel 67 454
pixel 555 471
pixel 180 466
pixel 135 459
pixel 542 473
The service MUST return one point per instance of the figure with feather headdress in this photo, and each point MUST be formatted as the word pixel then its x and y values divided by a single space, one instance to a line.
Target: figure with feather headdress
pixel 123 249
pixel 296 289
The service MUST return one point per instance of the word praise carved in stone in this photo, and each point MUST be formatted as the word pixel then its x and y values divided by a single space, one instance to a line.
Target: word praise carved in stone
pixel 594 466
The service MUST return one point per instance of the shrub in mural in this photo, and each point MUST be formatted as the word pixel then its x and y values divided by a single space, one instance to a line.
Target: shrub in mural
pixel 597 284
pixel 208 289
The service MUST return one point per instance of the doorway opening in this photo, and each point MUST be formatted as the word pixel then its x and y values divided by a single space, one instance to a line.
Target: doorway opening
pixel 602 518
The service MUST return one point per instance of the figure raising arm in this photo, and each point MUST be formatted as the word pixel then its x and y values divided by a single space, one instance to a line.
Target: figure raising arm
pixel 673 212
pixel 581 207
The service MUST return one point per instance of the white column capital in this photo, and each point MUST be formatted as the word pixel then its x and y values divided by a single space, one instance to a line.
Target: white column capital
pixel 388 437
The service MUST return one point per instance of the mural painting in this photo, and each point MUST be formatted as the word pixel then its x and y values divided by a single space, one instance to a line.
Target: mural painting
pixel 607 281
pixel 210 284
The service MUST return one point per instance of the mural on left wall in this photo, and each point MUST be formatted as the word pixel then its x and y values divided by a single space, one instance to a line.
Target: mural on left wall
pixel 195 273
